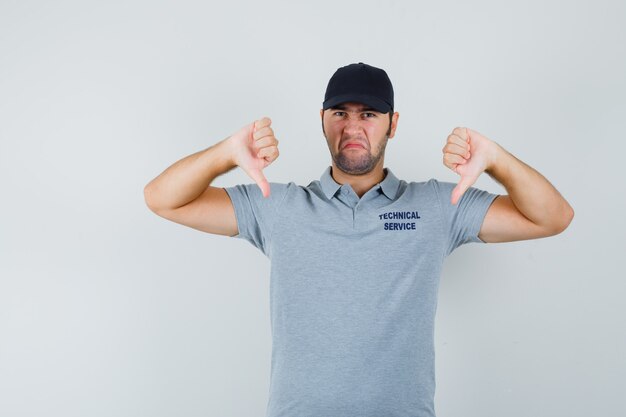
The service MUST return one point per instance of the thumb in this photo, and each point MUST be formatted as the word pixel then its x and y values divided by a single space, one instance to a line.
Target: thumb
pixel 461 187
pixel 257 175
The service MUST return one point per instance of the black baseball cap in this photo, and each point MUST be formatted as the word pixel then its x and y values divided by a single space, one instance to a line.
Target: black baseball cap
pixel 361 83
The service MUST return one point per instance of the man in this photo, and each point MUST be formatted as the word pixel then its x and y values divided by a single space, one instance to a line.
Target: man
pixel 356 256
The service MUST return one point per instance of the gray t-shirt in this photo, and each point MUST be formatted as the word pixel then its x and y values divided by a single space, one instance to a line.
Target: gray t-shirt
pixel 353 290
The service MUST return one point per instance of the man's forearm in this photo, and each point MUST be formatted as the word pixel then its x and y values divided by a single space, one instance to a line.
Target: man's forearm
pixel 186 179
pixel 533 195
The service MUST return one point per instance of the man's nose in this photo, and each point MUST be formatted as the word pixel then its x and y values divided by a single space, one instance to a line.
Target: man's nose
pixel 353 125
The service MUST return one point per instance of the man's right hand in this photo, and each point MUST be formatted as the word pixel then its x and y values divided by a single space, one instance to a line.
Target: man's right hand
pixel 254 147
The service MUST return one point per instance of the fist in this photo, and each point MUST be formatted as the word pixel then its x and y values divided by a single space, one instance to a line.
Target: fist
pixel 254 148
pixel 469 154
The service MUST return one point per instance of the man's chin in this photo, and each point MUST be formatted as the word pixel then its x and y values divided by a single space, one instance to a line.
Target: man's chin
pixel 354 163
pixel 354 170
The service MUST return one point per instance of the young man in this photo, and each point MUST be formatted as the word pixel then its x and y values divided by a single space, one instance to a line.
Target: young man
pixel 356 256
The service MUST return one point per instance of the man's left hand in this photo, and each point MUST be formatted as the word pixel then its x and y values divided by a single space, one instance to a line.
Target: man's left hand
pixel 469 154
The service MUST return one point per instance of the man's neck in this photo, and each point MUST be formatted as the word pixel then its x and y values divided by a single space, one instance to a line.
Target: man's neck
pixel 359 183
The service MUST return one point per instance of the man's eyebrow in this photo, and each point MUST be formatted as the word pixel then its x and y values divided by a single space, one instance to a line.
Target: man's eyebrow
pixel 342 107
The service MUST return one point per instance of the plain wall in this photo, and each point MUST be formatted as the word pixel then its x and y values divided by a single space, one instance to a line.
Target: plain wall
pixel 109 310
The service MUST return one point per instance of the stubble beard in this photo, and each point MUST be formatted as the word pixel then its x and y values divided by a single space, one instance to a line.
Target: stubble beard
pixel 360 164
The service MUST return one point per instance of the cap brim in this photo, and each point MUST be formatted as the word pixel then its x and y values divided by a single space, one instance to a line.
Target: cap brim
pixel 374 102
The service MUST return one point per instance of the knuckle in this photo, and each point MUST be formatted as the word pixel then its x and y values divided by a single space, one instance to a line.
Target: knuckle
pixel 260 133
pixel 262 123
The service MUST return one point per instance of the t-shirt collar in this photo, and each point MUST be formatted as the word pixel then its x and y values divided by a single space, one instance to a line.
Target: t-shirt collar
pixel 389 184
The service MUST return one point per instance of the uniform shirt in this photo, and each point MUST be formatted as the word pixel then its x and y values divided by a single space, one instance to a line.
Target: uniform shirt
pixel 353 290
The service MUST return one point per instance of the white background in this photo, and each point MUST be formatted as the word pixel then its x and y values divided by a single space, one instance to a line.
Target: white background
pixel 108 310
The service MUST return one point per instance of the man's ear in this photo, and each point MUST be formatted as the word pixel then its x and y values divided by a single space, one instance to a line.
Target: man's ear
pixel 394 124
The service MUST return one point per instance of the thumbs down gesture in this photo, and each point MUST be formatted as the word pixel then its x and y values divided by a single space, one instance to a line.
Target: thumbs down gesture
pixel 469 154
pixel 254 148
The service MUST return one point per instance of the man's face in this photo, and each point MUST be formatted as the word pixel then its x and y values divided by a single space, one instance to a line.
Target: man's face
pixel 357 136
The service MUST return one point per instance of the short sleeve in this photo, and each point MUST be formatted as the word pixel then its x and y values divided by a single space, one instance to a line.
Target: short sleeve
pixel 463 220
pixel 256 214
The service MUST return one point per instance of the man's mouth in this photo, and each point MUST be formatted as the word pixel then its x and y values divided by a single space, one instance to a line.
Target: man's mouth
pixel 353 144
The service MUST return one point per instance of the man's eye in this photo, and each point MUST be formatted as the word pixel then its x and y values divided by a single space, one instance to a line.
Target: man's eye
pixel 371 114
pixel 338 113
